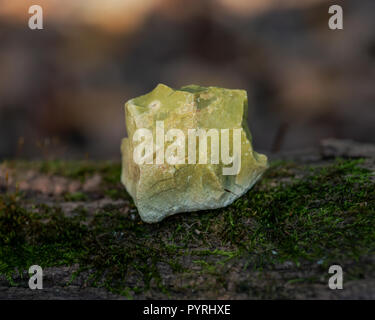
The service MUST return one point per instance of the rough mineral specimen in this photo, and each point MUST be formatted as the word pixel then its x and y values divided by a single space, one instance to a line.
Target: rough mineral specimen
pixel 188 150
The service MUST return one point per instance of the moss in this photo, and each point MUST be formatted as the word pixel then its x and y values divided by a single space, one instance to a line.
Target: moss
pixel 321 214
pixel 78 170
pixel 43 235
pixel 318 215
pixel 75 196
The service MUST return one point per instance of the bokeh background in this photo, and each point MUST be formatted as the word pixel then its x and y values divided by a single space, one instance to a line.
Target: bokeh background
pixel 62 89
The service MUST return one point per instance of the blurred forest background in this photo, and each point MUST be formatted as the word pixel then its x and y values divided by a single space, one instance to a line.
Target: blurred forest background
pixel 62 89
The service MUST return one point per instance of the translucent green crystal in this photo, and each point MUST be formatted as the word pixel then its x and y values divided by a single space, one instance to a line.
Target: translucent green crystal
pixel 160 189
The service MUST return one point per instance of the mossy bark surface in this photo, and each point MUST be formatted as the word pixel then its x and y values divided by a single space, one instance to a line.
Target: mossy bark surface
pixel 75 220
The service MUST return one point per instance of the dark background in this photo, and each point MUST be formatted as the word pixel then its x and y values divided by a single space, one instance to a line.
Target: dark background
pixel 62 89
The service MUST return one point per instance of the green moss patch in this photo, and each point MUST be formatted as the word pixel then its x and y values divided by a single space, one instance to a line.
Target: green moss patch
pixel 310 216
